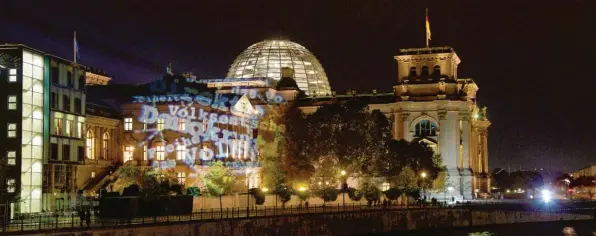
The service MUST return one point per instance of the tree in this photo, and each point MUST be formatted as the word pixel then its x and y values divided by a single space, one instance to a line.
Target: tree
pixel 585 184
pixel 218 180
pixel 354 194
pixel 393 193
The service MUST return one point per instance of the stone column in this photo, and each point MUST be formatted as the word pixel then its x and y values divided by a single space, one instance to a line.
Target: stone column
pixel 406 126
pixel 485 152
pixel 397 135
pixel 465 142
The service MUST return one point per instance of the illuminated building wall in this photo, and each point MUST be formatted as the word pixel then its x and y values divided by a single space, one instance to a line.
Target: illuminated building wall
pixel 45 122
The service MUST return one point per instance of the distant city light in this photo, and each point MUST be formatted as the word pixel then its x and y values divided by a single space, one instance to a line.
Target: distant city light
pixel 546 195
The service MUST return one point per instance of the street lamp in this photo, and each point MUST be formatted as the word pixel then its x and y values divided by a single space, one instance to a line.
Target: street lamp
pixel 344 186
pixel 423 175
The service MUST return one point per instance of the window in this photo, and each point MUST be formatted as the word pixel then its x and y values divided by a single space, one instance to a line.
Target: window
pixel 81 82
pixel 69 79
pixel 128 124
pixel 65 152
pixel 426 128
pixel 424 72
pixel 105 145
pixel 78 105
pixel 12 75
pixel 92 174
pixel 145 153
pixel 180 152
pixel 80 153
pixel 437 71
pixel 55 75
pixel 68 128
pixel 12 158
pixel 181 124
pixel 181 177
pixel 54 100
pixel 80 126
pixel 58 126
pixel 54 151
pixel 128 152
pixel 160 124
pixel 12 130
pixel 10 185
pixel 12 102
pixel 160 154
pixel 412 71
pixel 65 103
pixel 144 124
pixel 90 144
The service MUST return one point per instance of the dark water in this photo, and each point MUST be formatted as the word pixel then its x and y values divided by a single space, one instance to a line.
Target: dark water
pixel 587 227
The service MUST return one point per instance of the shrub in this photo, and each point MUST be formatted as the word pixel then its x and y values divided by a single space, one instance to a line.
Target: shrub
pixel 354 194
pixel 393 193
pixel 258 195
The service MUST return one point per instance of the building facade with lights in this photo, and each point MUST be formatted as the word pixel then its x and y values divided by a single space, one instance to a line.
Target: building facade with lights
pixel 63 136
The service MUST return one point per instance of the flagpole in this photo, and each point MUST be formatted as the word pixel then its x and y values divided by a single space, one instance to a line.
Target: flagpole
pixel 426 24
pixel 74 47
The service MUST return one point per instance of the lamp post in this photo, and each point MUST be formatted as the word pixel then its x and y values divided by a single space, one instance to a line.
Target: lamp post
pixel 423 175
pixel 344 187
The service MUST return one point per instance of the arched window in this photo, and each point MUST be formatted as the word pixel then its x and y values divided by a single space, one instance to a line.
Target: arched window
pixel 437 71
pixel 424 72
pixel 105 145
pixel 412 71
pixel 426 128
pixel 90 144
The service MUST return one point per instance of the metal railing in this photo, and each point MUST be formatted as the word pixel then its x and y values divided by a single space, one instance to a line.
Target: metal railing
pixel 72 221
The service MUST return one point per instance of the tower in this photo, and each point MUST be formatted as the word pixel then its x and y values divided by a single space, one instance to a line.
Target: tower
pixel 436 107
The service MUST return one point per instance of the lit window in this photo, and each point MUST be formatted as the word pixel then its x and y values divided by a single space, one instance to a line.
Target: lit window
pixel 12 75
pixel 145 153
pixel 58 126
pixel 11 184
pixel 12 102
pixel 12 130
pixel 181 124
pixel 160 124
pixel 181 177
pixel 144 124
pixel 92 174
pixel 90 144
pixel 160 153
pixel 426 128
pixel 127 124
pixel 180 152
pixel 128 152
pixel 12 157
pixel 68 128
pixel 80 126
pixel 105 145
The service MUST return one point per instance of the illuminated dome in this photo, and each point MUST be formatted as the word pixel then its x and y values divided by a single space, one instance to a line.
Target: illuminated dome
pixel 266 58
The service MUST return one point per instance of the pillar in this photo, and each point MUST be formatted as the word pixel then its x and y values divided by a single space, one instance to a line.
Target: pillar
pixel 406 126
pixel 485 151
pixel 465 143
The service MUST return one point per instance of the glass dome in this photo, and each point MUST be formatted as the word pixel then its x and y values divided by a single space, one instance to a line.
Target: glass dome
pixel 266 58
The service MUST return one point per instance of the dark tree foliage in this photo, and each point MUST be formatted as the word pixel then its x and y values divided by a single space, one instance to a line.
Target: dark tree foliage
pixel 354 194
pixel 258 195
pixel 393 193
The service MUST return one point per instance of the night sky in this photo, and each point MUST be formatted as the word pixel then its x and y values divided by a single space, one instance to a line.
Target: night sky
pixel 534 61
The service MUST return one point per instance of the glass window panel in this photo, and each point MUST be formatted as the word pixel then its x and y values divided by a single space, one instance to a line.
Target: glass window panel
pixel 36 152
pixel 27 96
pixel 27 57
pixel 12 78
pixel 37 125
pixel 27 82
pixel 38 73
pixel 36 178
pixel 38 87
pixel 12 71
pixel 37 99
pixel 37 140
pixel 37 60
pixel 27 70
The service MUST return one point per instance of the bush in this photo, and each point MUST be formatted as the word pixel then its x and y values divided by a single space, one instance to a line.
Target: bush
pixel 258 195
pixel 328 194
pixel 354 194
pixel 393 193
pixel 285 194
pixel 415 193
